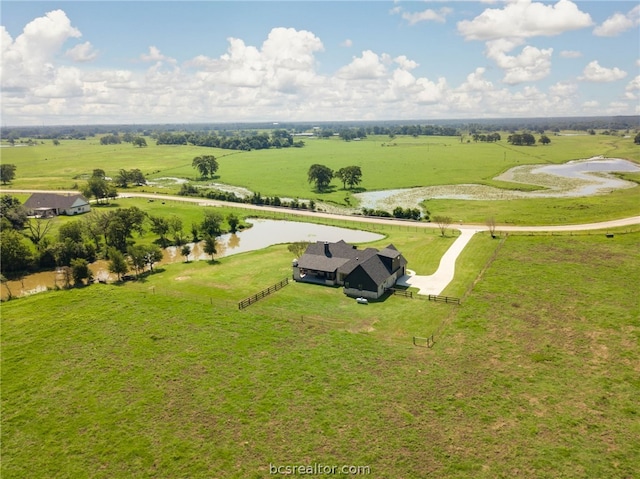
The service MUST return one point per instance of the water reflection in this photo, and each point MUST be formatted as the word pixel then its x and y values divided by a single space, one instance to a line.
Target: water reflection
pixel 262 234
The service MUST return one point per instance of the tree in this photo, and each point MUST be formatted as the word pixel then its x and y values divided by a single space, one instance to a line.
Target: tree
pixel 96 187
pixel 119 226
pixel 320 175
pixel 117 263
pixel 160 226
pixel 210 245
pixel 15 254
pixel 139 142
pixel 544 139
pixel 443 222
pixel 122 179
pixel 175 228
pixel 353 175
pixel 491 224
pixel 206 165
pixel 298 248
pixel 233 221
pixel 136 256
pixel 194 232
pixel 5 281
pixel 211 224
pixel 349 175
pixel 12 213
pixel 38 229
pixel 186 251
pixel 80 271
pixel 636 140
pixel 152 255
pixel 7 172
pixel 137 177
pixel 72 230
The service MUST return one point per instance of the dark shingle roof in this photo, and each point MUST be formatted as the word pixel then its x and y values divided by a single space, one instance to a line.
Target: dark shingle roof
pixel 52 200
pixel 345 258
pixel 376 269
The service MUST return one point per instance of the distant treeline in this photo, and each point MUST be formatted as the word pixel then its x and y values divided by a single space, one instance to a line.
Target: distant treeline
pixel 399 127
pixel 258 141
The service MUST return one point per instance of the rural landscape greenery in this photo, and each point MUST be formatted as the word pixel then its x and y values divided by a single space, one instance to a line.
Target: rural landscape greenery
pixel 534 374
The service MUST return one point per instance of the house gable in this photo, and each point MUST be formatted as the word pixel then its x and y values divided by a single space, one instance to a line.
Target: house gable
pixel 57 203
pixel 357 270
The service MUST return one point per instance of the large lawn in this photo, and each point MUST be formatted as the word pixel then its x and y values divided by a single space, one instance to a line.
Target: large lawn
pixel 386 164
pixel 535 375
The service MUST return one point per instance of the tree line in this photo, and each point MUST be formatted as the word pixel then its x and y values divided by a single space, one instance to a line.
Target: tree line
pixel 257 141
pixel 27 244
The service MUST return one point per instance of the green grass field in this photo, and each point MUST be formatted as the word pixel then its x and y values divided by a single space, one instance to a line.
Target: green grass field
pixel 386 164
pixel 535 375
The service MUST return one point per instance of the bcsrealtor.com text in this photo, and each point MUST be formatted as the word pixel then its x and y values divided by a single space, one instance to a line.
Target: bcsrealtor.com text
pixel 317 469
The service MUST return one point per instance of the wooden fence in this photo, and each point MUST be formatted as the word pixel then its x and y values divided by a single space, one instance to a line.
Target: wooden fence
pixel 265 292
pixel 401 292
pixel 444 299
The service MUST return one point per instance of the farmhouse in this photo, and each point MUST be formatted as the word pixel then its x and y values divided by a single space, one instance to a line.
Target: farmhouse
pixel 364 273
pixel 54 204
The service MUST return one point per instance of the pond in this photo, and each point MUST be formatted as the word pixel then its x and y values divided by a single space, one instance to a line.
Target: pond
pixel 575 178
pixel 262 234
pixel 265 233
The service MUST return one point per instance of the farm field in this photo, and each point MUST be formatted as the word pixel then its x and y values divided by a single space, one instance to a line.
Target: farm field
pixel 535 375
pixel 386 163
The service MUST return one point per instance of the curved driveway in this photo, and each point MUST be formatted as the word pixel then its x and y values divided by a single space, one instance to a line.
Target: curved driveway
pixel 432 284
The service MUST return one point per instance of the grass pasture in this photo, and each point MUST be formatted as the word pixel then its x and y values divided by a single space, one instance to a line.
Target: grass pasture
pixel 535 375
pixel 386 164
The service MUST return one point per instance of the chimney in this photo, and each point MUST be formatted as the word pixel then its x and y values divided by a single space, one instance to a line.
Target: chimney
pixel 326 249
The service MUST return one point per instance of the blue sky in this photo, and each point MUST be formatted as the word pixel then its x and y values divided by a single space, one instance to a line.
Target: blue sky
pixel 179 62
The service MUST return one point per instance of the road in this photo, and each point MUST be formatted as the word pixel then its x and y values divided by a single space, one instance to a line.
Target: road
pixel 633 220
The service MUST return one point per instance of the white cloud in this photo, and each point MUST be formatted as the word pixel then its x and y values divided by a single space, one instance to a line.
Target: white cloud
pixel 591 104
pixel 563 89
pixel 405 63
pixel 154 55
pixel 593 72
pixel 476 81
pixel 66 83
pixel 530 65
pixel 427 15
pixel 570 54
pixel 506 28
pixel 632 89
pixel 525 19
pixel 347 43
pixel 83 52
pixel 276 79
pixel 367 66
pixel 618 23
pixel 29 58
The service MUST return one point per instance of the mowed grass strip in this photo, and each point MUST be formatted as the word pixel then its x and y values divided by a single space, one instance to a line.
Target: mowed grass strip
pixel 536 376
